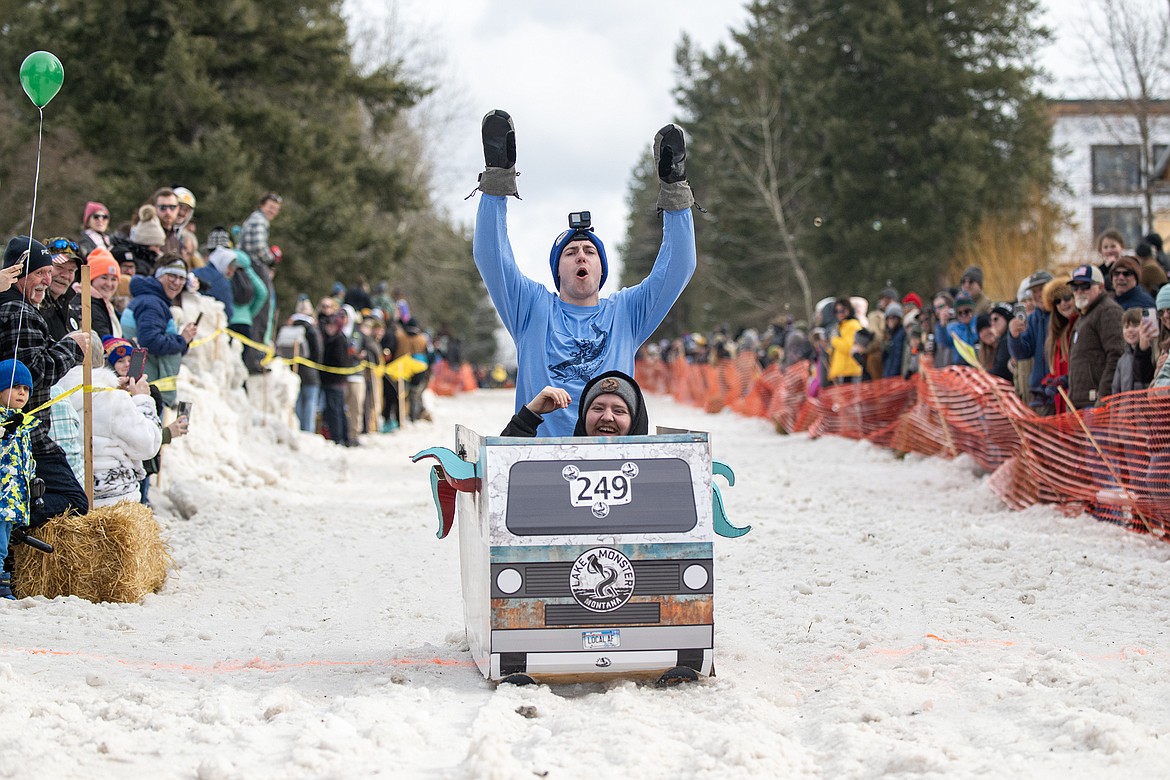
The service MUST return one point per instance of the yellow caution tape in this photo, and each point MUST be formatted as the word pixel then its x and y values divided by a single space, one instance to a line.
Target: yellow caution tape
pixel 402 368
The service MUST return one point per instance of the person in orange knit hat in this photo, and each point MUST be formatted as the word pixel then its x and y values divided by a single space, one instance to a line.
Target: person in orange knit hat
pixel 104 274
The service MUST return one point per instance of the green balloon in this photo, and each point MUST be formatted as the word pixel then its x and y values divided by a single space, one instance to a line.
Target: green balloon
pixel 41 75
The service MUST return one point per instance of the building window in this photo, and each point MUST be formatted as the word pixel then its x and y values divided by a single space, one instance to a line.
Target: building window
pixel 1127 220
pixel 1116 169
pixel 1160 163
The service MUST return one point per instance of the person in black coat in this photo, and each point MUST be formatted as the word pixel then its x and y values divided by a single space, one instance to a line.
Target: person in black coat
pixel 335 354
pixel 611 404
pixel 61 296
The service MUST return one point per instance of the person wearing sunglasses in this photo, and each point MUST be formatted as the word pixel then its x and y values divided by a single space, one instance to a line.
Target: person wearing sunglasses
pixel 1062 316
pixel 1097 339
pixel 963 326
pixel 1125 273
pixel 95 228
pixel 166 205
pixel 62 294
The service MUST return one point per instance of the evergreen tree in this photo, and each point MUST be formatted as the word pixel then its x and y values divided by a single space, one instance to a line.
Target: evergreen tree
pixel 229 98
pixel 853 145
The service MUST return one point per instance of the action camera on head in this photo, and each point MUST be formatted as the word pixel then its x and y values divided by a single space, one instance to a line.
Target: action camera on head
pixel 580 220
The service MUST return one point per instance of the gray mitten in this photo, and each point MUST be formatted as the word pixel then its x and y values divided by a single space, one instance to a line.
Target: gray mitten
pixel 498 181
pixel 670 161
pixel 499 154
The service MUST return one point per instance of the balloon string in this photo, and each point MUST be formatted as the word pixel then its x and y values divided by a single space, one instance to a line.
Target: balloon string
pixel 28 254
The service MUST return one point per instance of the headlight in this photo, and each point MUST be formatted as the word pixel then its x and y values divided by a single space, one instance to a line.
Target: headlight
pixel 509 580
pixel 694 576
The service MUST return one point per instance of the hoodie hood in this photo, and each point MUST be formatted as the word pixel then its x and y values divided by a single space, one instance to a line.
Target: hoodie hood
pixel 639 422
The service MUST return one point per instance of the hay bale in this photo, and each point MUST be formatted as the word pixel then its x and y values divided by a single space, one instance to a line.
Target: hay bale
pixel 114 553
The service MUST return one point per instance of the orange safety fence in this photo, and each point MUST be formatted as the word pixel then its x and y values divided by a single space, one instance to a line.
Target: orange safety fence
pixel 1112 461
pixel 447 381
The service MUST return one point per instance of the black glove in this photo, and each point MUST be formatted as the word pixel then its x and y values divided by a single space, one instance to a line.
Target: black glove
pixel 670 161
pixel 11 424
pixel 1052 384
pixel 670 154
pixel 499 154
pixel 499 139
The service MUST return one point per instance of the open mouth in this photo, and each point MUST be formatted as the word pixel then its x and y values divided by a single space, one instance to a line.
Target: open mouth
pixel 582 273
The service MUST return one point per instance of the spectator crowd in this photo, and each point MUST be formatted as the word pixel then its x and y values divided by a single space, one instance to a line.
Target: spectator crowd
pixel 141 273
pixel 1068 337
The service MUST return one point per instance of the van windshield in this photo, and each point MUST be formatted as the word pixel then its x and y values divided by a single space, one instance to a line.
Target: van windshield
pixel 630 496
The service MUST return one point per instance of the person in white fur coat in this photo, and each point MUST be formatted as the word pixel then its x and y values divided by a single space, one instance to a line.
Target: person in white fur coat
pixel 126 430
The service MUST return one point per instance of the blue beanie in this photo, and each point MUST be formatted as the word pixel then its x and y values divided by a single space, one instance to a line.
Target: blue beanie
pixel 566 238
pixel 14 373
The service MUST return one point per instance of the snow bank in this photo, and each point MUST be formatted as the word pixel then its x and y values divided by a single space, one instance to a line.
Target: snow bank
pixel 885 617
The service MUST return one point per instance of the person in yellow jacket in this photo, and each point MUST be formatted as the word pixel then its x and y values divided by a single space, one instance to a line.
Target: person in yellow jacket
pixel 843 367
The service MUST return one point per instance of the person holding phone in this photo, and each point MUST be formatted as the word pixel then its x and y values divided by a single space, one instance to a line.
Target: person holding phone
pixel 1135 367
pixel 148 319
pixel 25 336
pixel 126 431
pixel 119 355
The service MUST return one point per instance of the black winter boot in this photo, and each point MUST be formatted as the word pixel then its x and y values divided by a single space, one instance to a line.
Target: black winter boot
pixel 6 586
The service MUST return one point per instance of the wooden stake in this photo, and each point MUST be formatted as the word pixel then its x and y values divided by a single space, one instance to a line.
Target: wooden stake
pixel 401 403
pixel 87 380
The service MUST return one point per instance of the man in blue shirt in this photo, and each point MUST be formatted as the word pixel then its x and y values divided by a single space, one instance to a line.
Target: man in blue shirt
pixel 566 338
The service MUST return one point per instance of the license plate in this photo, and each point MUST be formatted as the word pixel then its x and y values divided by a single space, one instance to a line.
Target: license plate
pixel 600 640
pixel 608 488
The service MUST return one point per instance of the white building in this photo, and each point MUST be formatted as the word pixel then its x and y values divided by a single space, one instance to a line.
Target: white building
pixel 1099 158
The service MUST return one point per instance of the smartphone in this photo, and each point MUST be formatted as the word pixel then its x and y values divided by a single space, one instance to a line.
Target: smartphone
pixel 183 409
pixel 198 319
pixel 1148 315
pixel 137 363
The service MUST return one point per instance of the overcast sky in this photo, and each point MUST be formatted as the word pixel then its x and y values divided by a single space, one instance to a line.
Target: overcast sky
pixel 588 85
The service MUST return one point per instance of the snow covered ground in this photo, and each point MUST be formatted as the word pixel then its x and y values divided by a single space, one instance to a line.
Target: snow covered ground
pixel 884 618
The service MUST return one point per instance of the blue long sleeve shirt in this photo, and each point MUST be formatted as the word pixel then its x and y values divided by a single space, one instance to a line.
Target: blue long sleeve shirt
pixel 565 345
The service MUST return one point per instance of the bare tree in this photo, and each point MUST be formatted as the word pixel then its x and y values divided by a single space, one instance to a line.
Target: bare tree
pixel 756 145
pixel 1127 42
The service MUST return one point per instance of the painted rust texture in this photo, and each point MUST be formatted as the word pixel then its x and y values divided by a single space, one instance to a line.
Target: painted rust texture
pixel 674 611
pixel 687 610
pixel 517 613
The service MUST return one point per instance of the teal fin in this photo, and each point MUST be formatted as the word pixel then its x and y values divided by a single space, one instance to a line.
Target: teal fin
pixel 722 526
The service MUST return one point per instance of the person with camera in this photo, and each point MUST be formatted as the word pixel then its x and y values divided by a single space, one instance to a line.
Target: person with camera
pixel 564 338
pixel 126 430
pixel 1028 336
pixel 119 356
pixel 25 336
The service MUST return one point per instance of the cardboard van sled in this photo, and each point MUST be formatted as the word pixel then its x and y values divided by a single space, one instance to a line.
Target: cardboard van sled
pixel 584 557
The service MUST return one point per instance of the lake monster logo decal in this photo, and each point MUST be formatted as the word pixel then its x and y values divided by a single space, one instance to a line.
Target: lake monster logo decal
pixel 602 579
